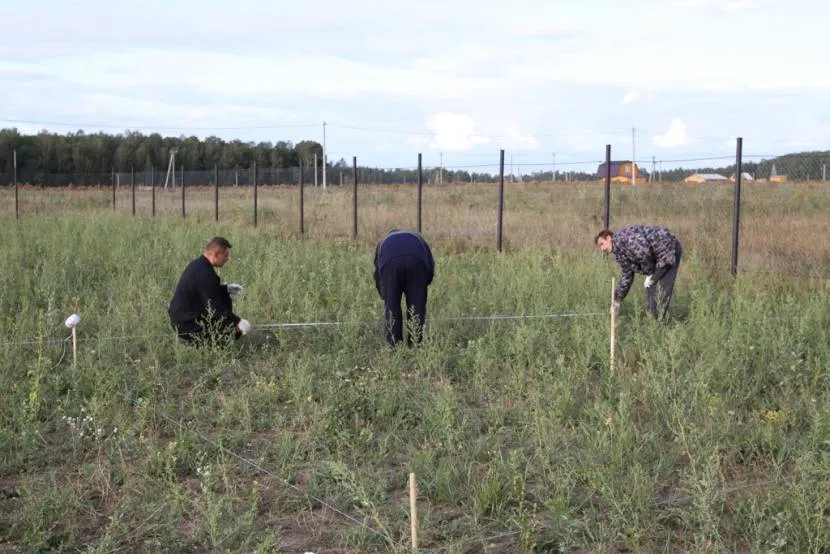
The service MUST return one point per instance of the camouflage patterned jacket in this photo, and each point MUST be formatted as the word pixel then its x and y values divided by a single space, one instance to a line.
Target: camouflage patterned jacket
pixel 642 249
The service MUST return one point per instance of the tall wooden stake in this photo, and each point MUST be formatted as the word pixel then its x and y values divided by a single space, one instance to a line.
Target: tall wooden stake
pixel 613 325
pixel 413 509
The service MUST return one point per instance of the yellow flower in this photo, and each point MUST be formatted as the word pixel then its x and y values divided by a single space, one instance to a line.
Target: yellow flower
pixel 772 416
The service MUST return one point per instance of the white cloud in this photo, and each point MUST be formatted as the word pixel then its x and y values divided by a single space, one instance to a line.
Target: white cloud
pixel 518 140
pixel 631 97
pixel 739 5
pixel 727 5
pixel 675 136
pixel 451 132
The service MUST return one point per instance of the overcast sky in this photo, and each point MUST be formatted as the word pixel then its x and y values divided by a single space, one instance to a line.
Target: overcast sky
pixel 454 79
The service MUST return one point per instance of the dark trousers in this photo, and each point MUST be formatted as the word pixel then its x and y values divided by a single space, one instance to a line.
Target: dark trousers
pixel 404 276
pixel 658 296
pixel 193 334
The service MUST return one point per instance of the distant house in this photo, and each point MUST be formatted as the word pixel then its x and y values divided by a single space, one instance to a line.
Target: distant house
pixel 745 177
pixel 705 178
pixel 621 172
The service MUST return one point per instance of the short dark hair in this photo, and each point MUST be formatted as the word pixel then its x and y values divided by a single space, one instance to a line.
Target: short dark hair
pixel 217 243
pixel 603 234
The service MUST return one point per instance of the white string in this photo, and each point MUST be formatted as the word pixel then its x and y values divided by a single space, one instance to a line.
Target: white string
pixel 443 319
pixel 312 324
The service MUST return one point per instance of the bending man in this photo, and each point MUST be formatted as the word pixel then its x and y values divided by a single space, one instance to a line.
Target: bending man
pixel 650 250
pixel 403 266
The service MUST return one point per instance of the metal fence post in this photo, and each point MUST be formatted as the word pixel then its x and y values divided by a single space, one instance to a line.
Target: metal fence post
pixel 736 206
pixel 112 181
pixel 302 207
pixel 354 199
pixel 16 193
pixel 184 211
pixel 132 188
pixel 420 191
pixel 153 192
pixel 216 193
pixel 501 200
pixel 255 193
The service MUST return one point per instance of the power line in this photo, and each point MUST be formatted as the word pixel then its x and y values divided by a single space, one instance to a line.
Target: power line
pixel 473 135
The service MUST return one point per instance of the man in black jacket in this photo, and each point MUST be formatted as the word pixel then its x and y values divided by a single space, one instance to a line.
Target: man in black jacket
pixel 650 250
pixel 403 266
pixel 201 309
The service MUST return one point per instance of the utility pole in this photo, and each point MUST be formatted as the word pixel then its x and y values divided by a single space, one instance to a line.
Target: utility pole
pixel 324 155
pixel 441 169
pixel 653 169
pixel 553 171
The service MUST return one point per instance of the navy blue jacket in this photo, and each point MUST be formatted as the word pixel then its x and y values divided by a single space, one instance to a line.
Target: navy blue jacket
pixel 403 243
pixel 198 289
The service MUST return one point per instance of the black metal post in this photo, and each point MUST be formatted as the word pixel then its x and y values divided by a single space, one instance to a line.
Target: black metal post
pixel 153 192
pixel 16 193
pixel 255 194
pixel 736 206
pixel 420 190
pixel 354 200
pixel 216 192
pixel 501 199
pixel 184 212
pixel 302 207
pixel 606 212
pixel 132 188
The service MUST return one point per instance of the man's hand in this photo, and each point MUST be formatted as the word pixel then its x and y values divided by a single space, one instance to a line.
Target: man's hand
pixel 234 289
pixel 649 281
pixel 615 307
pixel 244 326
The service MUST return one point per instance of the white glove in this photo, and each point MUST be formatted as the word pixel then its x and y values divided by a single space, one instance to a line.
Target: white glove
pixel 649 281
pixel 234 289
pixel 244 326
pixel 615 307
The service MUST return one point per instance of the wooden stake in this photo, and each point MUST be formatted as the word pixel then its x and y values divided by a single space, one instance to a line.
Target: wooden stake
pixel 613 325
pixel 413 509
pixel 74 347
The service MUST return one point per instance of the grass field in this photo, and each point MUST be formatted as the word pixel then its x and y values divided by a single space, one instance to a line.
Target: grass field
pixel 712 435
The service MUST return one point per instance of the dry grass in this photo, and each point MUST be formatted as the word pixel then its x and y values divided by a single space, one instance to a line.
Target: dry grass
pixel 779 224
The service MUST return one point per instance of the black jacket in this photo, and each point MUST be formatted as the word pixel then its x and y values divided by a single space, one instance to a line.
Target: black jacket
pixel 403 243
pixel 197 293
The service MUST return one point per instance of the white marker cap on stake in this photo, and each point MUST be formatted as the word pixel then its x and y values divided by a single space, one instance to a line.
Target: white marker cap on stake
pixel 72 321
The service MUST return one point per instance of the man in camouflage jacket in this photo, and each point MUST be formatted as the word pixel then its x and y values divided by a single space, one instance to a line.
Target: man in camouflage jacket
pixel 650 250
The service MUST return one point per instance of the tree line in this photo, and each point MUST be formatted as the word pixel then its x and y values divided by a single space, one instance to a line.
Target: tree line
pixel 79 152
pixel 91 158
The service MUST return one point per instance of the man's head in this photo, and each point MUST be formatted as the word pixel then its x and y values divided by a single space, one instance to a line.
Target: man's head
pixel 217 251
pixel 605 241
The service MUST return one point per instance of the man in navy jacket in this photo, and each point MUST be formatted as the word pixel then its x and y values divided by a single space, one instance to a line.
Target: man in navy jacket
pixel 403 266
pixel 201 309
